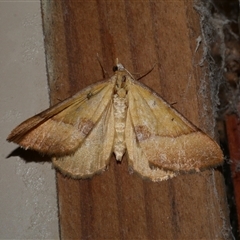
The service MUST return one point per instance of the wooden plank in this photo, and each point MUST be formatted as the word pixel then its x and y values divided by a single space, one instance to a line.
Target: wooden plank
pixel 233 136
pixel 116 204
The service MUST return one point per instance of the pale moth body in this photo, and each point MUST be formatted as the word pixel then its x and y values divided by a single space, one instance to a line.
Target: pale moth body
pixel 118 115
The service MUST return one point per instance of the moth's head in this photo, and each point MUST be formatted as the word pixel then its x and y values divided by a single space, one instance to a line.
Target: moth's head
pixel 118 67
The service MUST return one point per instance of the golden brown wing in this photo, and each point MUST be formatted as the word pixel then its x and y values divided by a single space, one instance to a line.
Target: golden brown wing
pixel 163 137
pixel 61 129
pixel 138 160
pixel 94 153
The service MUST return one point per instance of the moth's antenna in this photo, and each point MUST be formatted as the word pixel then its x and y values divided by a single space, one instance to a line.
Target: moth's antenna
pixel 104 72
pixel 147 72
pixel 120 67
pixel 129 73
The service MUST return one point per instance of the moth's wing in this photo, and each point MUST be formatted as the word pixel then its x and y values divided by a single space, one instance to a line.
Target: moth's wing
pixel 61 129
pixel 138 160
pixel 163 137
pixel 94 153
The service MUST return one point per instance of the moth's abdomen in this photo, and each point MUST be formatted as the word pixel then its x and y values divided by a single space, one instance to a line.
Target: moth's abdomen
pixel 120 111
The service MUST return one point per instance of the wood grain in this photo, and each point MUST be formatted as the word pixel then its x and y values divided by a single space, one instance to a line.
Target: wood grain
pixel 116 204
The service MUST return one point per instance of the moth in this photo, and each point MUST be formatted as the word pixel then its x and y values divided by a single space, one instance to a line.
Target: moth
pixel 118 115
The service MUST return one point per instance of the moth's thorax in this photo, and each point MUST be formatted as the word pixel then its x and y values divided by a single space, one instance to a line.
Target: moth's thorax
pixel 121 80
pixel 120 112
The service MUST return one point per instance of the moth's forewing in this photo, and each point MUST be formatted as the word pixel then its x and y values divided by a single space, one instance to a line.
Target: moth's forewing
pixel 61 129
pixel 165 139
